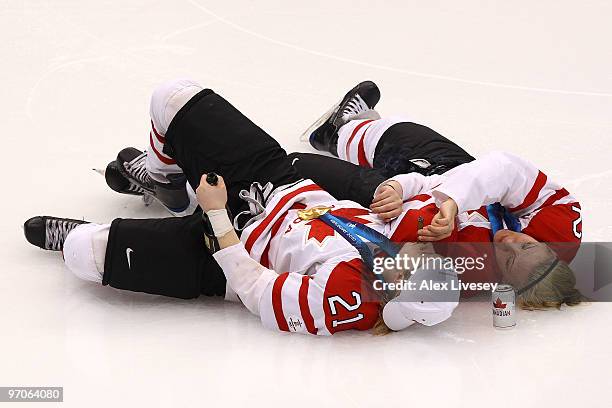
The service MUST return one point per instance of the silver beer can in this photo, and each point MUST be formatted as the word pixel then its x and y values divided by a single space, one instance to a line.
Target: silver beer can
pixel 503 307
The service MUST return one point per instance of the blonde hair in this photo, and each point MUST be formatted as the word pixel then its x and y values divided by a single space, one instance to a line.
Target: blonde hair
pixel 556 289
pixel 380 328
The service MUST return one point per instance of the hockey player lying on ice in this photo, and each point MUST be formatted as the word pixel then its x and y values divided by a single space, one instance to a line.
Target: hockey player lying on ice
pixel 400 168
pixel 297 273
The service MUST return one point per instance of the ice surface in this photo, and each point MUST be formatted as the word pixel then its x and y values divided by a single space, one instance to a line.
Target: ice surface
pixel 532 78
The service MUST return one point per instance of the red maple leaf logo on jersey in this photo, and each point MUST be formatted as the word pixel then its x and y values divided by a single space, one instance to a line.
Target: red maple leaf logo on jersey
pixel 499 304
pixel 320 230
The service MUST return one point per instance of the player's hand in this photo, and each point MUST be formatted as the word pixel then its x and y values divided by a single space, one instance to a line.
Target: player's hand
pixel 211 197
pixel 442 224
pixel 387 202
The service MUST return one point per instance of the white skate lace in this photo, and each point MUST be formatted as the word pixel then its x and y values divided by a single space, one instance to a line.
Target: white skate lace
pixel 137 170
pixel 354 106
pixel 56 231
pixel 256 197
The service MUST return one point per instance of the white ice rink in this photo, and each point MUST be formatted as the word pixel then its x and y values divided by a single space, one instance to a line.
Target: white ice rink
pixel 534 78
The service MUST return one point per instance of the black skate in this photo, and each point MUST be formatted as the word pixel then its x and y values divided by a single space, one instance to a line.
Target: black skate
pixel 324 132
pixel 128 175
pixel 49 232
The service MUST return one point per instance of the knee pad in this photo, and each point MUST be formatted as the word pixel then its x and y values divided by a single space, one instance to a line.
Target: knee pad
pixel 168 98
pixel 84 251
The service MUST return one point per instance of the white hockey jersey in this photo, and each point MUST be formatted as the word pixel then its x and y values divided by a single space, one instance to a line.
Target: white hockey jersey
pixel 319 286
pixel 302 276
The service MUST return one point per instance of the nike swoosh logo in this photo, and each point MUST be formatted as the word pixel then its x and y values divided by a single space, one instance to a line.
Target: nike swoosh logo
pixel 127 253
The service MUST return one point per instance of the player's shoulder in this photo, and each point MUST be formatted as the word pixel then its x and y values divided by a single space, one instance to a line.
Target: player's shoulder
pixel 556 223
pixel 349 301
pixel 346 267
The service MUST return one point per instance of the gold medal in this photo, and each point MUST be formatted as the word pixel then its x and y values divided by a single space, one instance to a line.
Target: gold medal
pixel 312 213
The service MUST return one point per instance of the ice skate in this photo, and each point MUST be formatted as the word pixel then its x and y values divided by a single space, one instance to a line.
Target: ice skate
pixel 49 232
pixel 323 134
pixel 128 175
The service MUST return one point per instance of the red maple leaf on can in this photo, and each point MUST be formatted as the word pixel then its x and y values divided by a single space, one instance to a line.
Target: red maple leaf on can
pixel 498 304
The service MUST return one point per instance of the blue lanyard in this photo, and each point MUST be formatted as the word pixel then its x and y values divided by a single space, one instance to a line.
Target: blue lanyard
pixel 498 214
pixel 355 232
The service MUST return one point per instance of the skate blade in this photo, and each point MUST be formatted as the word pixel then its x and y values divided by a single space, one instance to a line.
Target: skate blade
pixel 305 137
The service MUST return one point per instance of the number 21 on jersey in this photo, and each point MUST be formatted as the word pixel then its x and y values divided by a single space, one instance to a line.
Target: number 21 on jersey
pixel 341 307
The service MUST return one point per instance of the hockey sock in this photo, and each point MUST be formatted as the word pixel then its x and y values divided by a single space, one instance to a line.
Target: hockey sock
pixel 167 99
pixel 357 139
pixel 85 249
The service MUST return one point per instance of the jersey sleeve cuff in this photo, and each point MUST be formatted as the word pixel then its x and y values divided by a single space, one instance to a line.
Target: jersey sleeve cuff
pixel 442 194
pixel 402 179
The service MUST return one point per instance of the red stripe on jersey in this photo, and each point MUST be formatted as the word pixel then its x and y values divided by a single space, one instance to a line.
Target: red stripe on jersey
pixel 265 260
pixel 559 194
pixel 361 156
pixel 157 135
pixel 162 158
pixel 266 221
pixel 420 197
pixel 532 196
pixel 357 128
pixel 483 211
pixel 304 308
pixel 277 301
